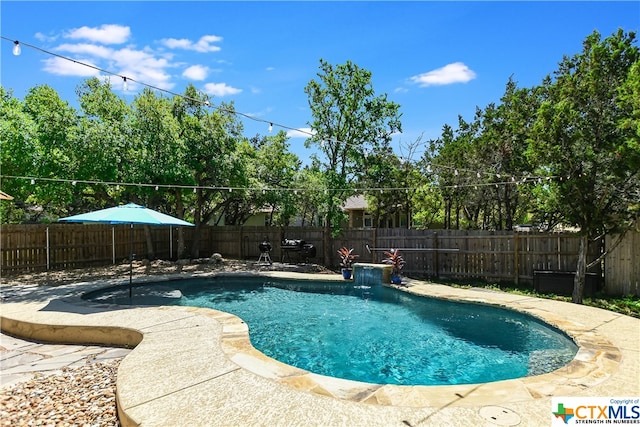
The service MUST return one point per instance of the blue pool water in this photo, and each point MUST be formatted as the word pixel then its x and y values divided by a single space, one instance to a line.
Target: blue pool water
pixel 371 334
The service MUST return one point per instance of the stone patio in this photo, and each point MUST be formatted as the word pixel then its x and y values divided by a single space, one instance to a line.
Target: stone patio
pixel 194 366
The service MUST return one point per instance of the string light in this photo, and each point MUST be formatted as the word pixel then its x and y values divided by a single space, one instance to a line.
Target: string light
pixel 125 80
pixel 323 142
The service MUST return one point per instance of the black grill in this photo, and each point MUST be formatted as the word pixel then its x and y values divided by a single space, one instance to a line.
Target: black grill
pixel 300 248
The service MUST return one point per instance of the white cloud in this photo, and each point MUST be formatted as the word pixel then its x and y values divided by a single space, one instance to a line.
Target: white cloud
pixel 270 68
pixel 86 49
pixel 95 46
pixel 106 34
pixel 196 72
pixel 202 45
pixel 456 72
pixel 220 89
pixel 300 133
pixel 63 67
pixel 44 37
pixel 400 90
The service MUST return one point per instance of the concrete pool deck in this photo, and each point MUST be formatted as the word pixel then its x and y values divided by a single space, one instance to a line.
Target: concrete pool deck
pixel 194 366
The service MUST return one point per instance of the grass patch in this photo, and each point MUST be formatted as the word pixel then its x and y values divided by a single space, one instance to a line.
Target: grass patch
pixel 629 305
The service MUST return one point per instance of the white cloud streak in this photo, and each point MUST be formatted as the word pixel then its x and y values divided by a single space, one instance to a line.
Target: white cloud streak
pixel 196 72
pixel 220 89
pixel 456 72
pixel 105 34
pixel 62 67
pixel 204 44
pixel 300 133
pixel 97 48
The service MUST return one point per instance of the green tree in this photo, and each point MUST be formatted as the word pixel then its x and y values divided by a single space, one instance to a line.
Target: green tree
pixel 102 143
pixel 53 157
pixel 579 138
pixel 309 196
pixel 348 120
pixel 155 156
pixel 18 142
pixel 276 169
pixel 211 136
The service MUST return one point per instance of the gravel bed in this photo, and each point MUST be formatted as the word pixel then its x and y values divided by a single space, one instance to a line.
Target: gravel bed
pixel 83 396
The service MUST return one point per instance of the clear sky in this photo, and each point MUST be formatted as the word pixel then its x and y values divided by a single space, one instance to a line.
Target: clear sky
pixel 437 60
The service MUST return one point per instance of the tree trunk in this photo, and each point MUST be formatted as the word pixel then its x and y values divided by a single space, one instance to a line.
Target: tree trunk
pixel 326 242
pixel 197 216
pixel 181 250
pixel 581 270
pixel 150 252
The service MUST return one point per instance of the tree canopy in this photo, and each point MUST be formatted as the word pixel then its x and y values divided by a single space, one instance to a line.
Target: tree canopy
pixel 564 152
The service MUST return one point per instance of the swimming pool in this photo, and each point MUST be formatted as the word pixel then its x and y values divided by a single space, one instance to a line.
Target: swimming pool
pixel 371 334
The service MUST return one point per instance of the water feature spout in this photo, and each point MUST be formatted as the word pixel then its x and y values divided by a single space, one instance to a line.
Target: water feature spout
pixel 371 274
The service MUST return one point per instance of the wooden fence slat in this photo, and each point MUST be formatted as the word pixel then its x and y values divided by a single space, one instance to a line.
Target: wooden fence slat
pixel 487 255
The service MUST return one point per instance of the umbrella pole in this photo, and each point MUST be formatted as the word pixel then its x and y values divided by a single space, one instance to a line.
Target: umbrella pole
pixel 130 259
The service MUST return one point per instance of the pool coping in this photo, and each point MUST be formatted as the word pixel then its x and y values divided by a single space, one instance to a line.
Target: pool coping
pixel 194 354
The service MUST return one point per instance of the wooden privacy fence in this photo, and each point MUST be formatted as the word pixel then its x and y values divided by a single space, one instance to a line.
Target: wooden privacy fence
pixel 500 256
pixel 622 266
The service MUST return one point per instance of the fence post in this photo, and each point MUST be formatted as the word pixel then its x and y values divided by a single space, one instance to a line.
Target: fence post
pixel 48 254
pixel 516 256
pixel 113 245
pixel 436 267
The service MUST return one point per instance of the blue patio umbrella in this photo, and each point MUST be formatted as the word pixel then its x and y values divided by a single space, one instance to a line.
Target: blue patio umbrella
pixel 127 214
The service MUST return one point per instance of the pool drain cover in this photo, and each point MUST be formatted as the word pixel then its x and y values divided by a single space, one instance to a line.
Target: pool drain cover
pixel 499 416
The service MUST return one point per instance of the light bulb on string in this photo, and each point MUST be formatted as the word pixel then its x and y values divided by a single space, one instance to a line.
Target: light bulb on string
pixel 156 188
pixel 124 84
pixel 33 181
pixel 16 48
pixel 270 127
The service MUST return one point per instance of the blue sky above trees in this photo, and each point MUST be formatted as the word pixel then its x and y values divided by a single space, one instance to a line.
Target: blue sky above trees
pixel 435 59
